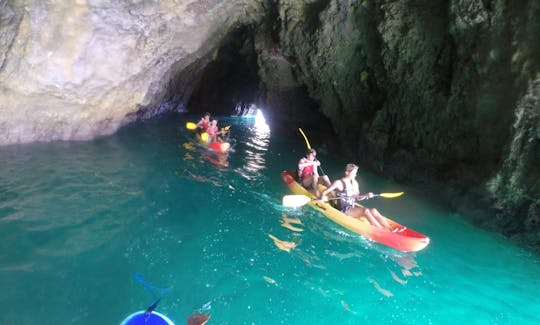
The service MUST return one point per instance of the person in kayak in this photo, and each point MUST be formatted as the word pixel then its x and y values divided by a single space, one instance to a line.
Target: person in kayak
pixel 213 132
pixel 307 173
pixel 347 192
pixel 204 123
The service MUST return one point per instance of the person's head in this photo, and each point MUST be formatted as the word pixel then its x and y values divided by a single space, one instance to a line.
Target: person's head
pixel 207 116
pixel 214 122
pixel 351 169
pixel 311 153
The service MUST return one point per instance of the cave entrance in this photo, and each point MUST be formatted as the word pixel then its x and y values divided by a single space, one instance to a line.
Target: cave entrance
pixel 230 83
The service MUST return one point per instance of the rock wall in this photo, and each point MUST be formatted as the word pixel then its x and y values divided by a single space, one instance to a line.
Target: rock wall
pixel 439 94
pixel 76 70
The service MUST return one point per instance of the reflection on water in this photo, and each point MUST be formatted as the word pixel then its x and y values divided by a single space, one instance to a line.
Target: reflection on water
pixel 256 147
pixel 203 179
pixel 218 159
pixel 192 150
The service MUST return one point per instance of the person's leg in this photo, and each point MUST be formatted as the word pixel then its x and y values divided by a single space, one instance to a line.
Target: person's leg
pixel 307 182
pixel 372 219
pixel 326 180
pixel 380 219
pixel 316 185
pixel 358 213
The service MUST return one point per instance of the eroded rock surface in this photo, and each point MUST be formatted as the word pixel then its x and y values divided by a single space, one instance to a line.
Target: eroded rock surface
pixel 75 70
pixel 441 94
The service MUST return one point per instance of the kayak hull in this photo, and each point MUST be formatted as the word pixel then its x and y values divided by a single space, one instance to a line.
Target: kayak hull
pixel 214 145
pixel 405 239
pixel 139 318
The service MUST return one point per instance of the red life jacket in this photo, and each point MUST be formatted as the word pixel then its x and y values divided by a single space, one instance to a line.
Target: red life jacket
pixel 204 124
pixel 307 171
pixel 212 131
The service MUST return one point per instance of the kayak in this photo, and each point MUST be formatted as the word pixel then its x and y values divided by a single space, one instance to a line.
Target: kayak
pixel 214 145
pixel 141 318
pixel 155 318
pixel 401 238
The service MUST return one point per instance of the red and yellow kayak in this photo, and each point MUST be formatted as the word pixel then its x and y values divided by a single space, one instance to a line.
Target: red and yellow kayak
pixel 214 145
pixel 405 239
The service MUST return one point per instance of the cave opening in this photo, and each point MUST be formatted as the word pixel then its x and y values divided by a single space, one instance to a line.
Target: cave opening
pixel 229 84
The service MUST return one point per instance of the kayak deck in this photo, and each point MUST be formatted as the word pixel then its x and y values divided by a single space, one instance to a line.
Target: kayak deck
pixel 214 145
pixel 403 239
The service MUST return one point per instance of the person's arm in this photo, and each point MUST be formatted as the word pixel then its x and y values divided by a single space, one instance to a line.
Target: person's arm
pixel 335 185
pixel 356 188
pixel 304 163
pixel 364 196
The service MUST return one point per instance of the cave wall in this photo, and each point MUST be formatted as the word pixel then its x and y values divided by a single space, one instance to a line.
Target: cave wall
pixel 434 93
pixel 77 70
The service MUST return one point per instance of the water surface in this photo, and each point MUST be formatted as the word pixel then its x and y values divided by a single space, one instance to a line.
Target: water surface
pixel 79 219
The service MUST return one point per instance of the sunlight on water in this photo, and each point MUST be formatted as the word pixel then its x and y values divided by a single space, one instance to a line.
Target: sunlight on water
pixel 255 152
pixel 79 219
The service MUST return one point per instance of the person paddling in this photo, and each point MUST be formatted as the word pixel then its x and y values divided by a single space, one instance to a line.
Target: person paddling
pixel 213 132
pixel 307 173
pixel 348 192
pixel 204 123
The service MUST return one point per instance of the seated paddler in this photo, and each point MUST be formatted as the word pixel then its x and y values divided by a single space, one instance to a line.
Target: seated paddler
pixel 308 175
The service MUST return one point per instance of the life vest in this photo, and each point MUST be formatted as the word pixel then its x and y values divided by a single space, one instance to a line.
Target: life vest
pixel 346 197
pixel 212 131
pixel 204 125
pixel 306 172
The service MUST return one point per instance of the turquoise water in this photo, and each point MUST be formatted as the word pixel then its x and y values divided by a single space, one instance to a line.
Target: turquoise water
pixel 78 219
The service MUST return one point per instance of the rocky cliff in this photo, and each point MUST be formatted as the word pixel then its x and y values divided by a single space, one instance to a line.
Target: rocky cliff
pixel 441 94
pixel 78 69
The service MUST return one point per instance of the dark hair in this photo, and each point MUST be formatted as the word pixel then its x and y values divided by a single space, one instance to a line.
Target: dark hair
pixel 311 151
pixel 350 167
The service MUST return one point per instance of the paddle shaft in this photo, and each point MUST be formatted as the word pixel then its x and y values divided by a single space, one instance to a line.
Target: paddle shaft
pixel 309 147
pixel 357 197
pixel 297 200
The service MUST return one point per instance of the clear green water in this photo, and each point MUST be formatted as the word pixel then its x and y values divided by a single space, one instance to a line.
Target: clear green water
pixel 77 219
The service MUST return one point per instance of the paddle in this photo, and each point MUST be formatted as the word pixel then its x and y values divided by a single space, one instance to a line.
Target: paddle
pixel 294 201
pixel 152 289
pixel 193 126
pixel 225 129
pixel 309 147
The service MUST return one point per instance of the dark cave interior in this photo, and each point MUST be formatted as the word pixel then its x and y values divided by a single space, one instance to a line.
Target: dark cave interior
pixel 231 80
pixel 230 85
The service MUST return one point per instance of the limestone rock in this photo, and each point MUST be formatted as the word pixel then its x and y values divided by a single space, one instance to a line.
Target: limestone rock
pixel 76 70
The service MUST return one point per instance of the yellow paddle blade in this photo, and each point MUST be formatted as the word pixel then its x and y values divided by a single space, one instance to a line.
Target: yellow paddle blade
pixel 204 136
pixel 391 195
pixel 191 126
pixel 295 201
pixel 225 129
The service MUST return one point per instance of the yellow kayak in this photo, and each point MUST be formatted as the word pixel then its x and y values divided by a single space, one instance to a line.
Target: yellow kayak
pixel 405 239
